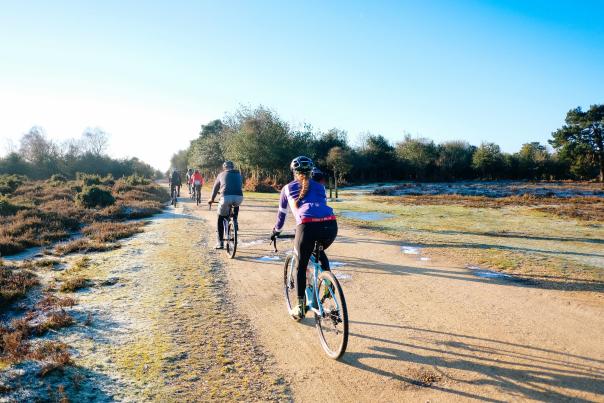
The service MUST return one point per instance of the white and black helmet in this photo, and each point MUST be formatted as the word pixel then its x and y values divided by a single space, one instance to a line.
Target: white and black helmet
pixel 301 164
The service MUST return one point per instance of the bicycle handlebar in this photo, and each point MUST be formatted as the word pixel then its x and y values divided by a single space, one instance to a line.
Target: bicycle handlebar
pixel 285 236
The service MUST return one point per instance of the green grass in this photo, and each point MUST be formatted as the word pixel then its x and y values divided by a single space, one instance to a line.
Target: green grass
pixel 517 240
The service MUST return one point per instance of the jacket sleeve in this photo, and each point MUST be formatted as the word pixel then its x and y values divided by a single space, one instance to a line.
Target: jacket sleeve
pixel 216 187
pixel 282 214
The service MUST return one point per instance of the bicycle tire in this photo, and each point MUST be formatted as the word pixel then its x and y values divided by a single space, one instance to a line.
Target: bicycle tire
pixel 231 245
pixel 331 322
pixel 289 284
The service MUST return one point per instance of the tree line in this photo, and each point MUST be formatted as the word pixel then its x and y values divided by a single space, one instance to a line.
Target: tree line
pixel 39 157
pixel 262 145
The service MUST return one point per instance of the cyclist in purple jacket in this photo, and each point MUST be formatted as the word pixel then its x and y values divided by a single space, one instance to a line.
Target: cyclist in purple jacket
pixel 315 221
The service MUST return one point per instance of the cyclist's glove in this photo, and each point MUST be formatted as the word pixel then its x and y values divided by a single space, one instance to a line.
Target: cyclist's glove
pixel 275 234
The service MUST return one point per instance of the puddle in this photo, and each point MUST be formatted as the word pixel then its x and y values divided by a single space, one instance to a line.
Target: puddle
pixel 252 243
pixel 480 272
pixel 366 215
pixel 342 276
pixel 337 264
pixel 410 250
pixel 424 259
pixel 268 259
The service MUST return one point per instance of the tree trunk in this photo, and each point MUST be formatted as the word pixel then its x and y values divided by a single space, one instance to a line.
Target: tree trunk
pixel 600 143
pixel 335 181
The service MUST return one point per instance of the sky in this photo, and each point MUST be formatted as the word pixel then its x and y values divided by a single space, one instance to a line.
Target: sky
pixel 151 73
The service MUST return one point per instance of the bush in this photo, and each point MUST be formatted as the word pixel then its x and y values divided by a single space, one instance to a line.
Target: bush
pixel 136 180
pixel 88 179
pixel 95 196
pixel 6 207
pixel 9 183
pixel 58 178
pixel 254 185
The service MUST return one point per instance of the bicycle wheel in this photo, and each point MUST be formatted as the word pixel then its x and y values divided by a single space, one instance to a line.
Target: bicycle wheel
pixel 174 198
pixel 231 246
pixel 333 325
pixel 289 283
pixel 198 196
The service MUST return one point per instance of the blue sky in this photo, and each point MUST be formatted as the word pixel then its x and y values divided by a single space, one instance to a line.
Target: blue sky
pixel 150 73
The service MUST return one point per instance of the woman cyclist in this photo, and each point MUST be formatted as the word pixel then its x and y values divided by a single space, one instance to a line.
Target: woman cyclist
pixel 195 182
pixel 315 222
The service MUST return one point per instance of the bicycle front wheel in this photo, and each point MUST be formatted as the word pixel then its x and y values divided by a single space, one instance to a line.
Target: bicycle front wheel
pixel 231 244
pixel 332 326
pixel 289 283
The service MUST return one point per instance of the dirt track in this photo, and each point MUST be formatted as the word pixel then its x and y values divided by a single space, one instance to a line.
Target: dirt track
pixel 419 330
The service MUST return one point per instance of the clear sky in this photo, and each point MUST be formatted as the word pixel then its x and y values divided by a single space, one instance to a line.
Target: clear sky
pixel 150 73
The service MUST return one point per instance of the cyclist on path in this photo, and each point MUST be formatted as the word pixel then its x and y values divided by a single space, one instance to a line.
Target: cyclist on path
pixel 315 221
pixel 229 184
pixel 175 182
pixel 196 181
pixel 189 174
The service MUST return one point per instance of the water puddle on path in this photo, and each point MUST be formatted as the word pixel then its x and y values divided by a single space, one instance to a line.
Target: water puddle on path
pixel 480 272
pixel 249 244
pixel 410 250
pixel 268 259
pixel 366 215
pixel 342 276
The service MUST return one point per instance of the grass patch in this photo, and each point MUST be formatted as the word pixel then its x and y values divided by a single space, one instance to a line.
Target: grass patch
pixel 111 231
pixel 72 279
pixel 545 250
pixel 37 213
pixel 15 282
pixel 83 245
pixel 583 208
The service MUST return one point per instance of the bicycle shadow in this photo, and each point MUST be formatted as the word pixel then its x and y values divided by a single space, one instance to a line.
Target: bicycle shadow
pixel 520 371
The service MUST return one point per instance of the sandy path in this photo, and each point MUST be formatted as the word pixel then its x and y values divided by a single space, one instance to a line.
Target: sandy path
pixel 420 330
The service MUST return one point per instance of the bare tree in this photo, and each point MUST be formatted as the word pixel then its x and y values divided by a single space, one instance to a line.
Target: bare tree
pixel 35 147
pixel 95 140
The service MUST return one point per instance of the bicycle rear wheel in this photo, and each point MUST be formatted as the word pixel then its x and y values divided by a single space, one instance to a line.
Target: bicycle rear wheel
pixel 231 238
pixel 289 283
pixel 333 325
pixel 198 196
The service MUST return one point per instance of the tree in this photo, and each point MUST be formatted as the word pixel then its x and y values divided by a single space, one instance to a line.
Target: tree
pixel 179 160
pixel 339 161
pixel 95 141
pixel 261 143
pixel 419 156
pixel 207 151
pixel 533 160
pixel 488 160
pixel 35 147
pixel 581 140
pixel 455 159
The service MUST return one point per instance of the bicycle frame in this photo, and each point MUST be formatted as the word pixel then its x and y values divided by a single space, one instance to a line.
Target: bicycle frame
pixel 317 269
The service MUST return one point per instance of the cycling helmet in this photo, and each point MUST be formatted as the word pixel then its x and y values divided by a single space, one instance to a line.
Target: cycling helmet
pixel 228 165
pixel 302 164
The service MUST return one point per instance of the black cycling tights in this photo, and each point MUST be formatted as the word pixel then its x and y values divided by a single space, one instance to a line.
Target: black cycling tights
pixel 304 244
pixel 221 221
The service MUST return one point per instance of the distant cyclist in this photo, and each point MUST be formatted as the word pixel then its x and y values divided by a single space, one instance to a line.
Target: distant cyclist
pixel 314 218
pixel 175 182
pixel 189 174
pixel 318 176
pixel 229 184
pixel 196 181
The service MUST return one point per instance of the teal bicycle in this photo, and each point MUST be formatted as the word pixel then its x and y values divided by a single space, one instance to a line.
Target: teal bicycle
pixel 324 297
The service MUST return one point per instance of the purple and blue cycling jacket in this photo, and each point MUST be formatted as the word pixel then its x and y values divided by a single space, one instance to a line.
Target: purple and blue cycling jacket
pixel 313 206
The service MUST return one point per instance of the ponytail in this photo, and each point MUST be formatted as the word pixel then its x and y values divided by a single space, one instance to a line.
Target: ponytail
pixel 304 180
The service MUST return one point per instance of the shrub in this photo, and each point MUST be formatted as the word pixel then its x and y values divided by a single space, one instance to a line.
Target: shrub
pixel 88 179
pixel 58 178
pixel 9 183
pixel 95 196
pixel 6 207
pixel 136 180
